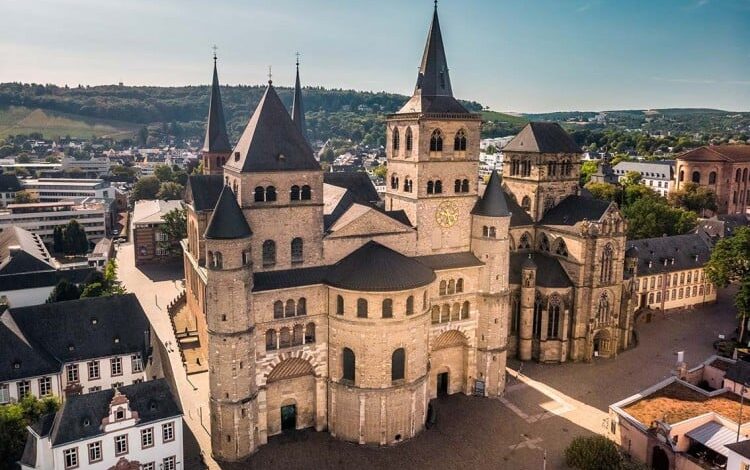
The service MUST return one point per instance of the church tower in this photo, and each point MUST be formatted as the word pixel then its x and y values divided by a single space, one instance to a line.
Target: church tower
pixel 433 151
pixel 298 110
pixel 231 335
pixel 216 146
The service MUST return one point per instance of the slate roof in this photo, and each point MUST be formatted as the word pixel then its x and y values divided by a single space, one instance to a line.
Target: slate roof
pixel 433 92
pixel 271 141
pixel 518 216
pixel 718 153
pixel 376 268
pixel 359 185
pixel 298 109
pixel 574 209
pixel 152 400
pixel 464 259
pixel 742 448
pixel 543 137
pixel 549 272
pixel 216 139
pixel 678 251
pixel 227 221
pixel 31 280
pixel 203 191
pixel 271 280
pixel 657 170
pixel 493 202
pixel 29 253
pixel 739 372
pixel 9 184
pixel 42 428
pixel 20 355
pixel 83 329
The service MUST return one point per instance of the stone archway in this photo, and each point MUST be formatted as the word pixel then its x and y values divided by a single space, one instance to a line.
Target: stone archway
pixel 290 396
pixel 659 459
pixel 448 363
pixel 602 344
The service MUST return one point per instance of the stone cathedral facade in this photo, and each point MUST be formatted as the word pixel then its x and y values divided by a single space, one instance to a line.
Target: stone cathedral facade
pixel 321 306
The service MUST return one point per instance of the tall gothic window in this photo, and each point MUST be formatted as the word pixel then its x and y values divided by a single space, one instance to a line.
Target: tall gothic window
pixel 349 365
pixel 409 139
pixel 436 141
pixel 398 362
pixel 602 311
pixel 395 138
pixel 525 241
pixel 538 312
pixel 459 143
pixel 553 319
pixel 607 264
pixel 297 253
pixel 526 203
pixel 543 243
pixel 269 253
pixel 560 247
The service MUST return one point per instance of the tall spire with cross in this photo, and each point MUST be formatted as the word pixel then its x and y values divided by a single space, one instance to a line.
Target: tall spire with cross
pixel 217 139
pixel 298 110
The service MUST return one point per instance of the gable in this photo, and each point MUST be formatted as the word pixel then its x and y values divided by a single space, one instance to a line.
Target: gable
pixel 361 220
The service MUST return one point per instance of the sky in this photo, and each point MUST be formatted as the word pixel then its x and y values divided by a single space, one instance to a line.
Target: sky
pixel 509 55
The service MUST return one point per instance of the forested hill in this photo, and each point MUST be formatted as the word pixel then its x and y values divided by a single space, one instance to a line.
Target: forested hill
pixel 344 114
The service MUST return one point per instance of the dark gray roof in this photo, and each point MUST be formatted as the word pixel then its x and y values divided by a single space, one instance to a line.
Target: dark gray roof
pixel 675 253
pixel 216 139
pixel 543 137
pixel 22 251
pixel 399 216
pixel 203 191
pixel 31 280
pixel 549 272
pixel 358 184
pixel 742 448
pixel 433 92
pixel 376 268
pixel 518 216
pixel 298 109
pixel 574 209
pixel 271 141
pixel 528 263
pixel 87 328
pixel 492 203
pixel 739 372
pixel 42 428
pixel 227 221
pixel 288 278
pixel 464 259
pixel 20 355
pixel 9 183
pixel 152 400
pixel 657 169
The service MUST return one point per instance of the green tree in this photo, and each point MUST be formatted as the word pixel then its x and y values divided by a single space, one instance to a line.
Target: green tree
pixel 164 173
pixel 380 171
pixel 99 284
pixel 634 192
pixel 75 241
pixel 170 191
pixel 58 245
pixel 198 170
pixel 175 229
pixel 631 178
pixel 604 191
pixel 588 168
pixel 650 217
pixel 64 290
pixel 14 418
pixel 730 263
pixel 145 188
pixel 23 159
pixel 491 150
pixel 24 197
pixel 693 197
pixel 593 453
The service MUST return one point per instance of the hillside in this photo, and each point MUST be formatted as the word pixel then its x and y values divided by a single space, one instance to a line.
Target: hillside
pixel 22 120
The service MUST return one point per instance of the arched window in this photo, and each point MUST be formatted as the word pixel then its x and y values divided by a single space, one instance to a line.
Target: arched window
pixel 525 242
pixel 410 305
pixel 270 194
pixel 560 247
pixel 407 184
pixel 551 168
pixel 526 168
pixel 270 340
pixel 460 285
pixel 289 308
pixel 526 203
pixel 297 254
pixel 297 335
pixel 492 233
pixel 395 138
pixel 553 319
pixel 339 305
pixel 602 312
pixel 465 310
pixel 712 178
pixel 306 193
pixel 394 182
pixel 438 187
pixel 682 176
pixel 301 306
pixel 218 260
pixel 409 139
pixel 744 174
pixel 435 314
pixel 430 187
pixel 269 253
pixel 459 143
pixel 738 175
pixel 607 262
pixel 361 308
pixel 349 365
pixel 245 257
pixel 443 287
pixel 278 309
pixel 544 243
pixel 398 361
pixel 538 312
pixel 515 314
pixel 310 333
pixel 259 194
pixel 464 186
pixel 451 287
pixel 456 312
pixel 387 308
pixel 485 231
pixel 457 186
pixel 445 313
pixel 285 338
pixel 696 177
pixel 436 141
pixel 294 193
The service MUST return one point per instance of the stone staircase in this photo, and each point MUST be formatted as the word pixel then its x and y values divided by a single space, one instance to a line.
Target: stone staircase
pixel 186 332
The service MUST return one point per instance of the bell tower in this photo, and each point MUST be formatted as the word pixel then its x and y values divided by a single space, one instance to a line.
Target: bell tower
pixel 433 153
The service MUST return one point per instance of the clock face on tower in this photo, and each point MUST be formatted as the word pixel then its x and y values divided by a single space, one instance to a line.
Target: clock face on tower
pixel 446 214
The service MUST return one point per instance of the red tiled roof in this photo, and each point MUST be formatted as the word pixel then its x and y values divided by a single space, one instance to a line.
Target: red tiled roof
pixel 726 153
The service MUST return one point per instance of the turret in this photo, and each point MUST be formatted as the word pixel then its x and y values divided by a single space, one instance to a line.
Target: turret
pixel 528 296
pixel 231 334
pixel 216 147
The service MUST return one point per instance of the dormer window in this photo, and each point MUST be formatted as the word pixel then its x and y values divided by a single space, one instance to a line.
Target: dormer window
pixel 119 414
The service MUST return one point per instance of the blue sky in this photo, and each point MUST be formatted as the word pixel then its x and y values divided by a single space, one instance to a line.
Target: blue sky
pixel 511 55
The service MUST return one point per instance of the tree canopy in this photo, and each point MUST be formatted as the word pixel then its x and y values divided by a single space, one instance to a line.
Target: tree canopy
pixel 75 241
pixel 730 263
pixel 170 191
pixel 14 418
pixel 175 229
pixel 24 197
pixel 145 188
pixel 693 197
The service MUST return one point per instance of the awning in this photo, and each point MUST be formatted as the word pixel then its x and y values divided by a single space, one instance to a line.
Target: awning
pixel 714 436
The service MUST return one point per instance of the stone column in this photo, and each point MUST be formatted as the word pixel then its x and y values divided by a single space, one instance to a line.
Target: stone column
pixel 528 294
pixel 320 404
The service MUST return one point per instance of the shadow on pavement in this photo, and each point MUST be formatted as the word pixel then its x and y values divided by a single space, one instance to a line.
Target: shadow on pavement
pixel 173 270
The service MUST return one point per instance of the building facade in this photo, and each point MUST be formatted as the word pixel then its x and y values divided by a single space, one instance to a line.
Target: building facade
pixel 42 217
pixel 320 309
pixel 150 242
pixel 657 175
pixel 68 189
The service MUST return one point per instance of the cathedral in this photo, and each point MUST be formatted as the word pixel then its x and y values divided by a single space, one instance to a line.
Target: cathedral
pixel 320 305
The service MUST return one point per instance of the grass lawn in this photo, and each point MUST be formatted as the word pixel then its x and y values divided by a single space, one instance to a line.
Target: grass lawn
pixel 52 124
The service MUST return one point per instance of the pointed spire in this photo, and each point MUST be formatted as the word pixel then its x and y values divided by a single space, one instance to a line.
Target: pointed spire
pixel 216 139
pixel 298 110
pixel 227 222
pixel 493 202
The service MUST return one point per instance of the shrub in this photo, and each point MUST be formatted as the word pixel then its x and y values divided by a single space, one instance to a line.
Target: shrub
pixel 593 453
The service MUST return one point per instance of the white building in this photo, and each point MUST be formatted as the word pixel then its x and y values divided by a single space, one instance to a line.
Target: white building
pixel 738 455
pixel 68 348
pixel 97 165
pixel 657 175
pixel 135 426
pixel 42 218
pixel 70 189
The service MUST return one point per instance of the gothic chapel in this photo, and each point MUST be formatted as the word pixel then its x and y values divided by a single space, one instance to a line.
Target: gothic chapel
pixel 320 306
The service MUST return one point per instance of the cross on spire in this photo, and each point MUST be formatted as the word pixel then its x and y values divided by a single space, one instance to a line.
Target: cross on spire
pixel 270 75
pixel 436 4
pixel 214 49
pixel 297 54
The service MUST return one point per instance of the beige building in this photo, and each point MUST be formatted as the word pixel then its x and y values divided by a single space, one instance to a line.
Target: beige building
pixel 318 308
pixel 151 244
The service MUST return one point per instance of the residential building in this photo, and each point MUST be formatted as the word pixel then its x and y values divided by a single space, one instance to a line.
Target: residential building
pixel 68 189
pixel 148 239
pixel 657 175
pixel 135 426
pixel 68 348
pixel 9 186
pixel 42 217
pixel 670 271
pixel 722 168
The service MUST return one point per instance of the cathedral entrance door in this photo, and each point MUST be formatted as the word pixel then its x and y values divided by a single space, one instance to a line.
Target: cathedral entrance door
pixel 442 384
pixel 289 418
